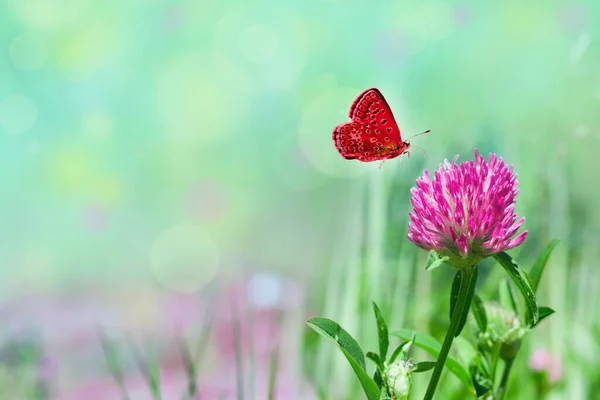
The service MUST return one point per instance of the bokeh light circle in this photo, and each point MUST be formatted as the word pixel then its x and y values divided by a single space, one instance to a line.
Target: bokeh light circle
pixel 184 258
pixel 268 48
pixel 323 112
pixel 256 51
pixel 28 51
pixel 18 114
pixel 96 217
pixel 581 131
pixel 193 107
pixel 427 21
pixel 265 290
pixel 34 146
pixel 97 125
pixel 293 168
pixel 94 46
pixel 207 201
pixel 50 14
pixel 436 20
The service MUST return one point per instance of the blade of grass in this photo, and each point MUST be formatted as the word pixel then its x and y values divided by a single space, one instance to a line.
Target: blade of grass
pixel 237 345
pixel 149 370
pixel 112 361
pixel 350 302
pixel 193 362
pixel 251 366
pixel 274 360
pixel 337 280
pixel 376 214
pixel 154 373
pixel 401 285
pixel 190 366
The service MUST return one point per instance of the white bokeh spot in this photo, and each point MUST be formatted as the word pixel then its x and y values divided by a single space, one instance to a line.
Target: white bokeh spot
pixel 18 114
pixel 50 14
pixel 256 52
pixel 265 290
pixel 28 51
pixel 97 125
pixel 259 44
pixel 184 258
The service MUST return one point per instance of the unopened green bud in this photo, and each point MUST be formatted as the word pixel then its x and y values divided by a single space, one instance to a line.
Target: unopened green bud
pixel 397 378
pixel 503 327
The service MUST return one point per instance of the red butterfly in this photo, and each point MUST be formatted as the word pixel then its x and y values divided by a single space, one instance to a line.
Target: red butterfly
pixel 373 134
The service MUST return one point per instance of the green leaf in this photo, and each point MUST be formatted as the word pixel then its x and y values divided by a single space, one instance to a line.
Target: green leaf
pixel 403 348
pixel 408 344
pixel 483 363
pixel 521 279
pixel 454 292
pixel 423 366
pixel 382 332
pixel 481 382
pixel 479 313
pixel 465 350
pixel 376 359
pixel 507 300
pixel 397 351
pixel 434 261
pixel 433 347
pixel 471 292
pixel 385 395
pixel 352 351
pixel 545 312
pixel 540 264
pixel 333 331
pixel 377 378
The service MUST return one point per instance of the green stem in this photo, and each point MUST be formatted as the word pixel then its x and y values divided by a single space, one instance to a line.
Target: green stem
pixel 463 303
pixel 495 358
pixel 504 381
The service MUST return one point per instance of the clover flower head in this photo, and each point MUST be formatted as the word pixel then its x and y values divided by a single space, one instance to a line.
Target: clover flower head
pixel 467 211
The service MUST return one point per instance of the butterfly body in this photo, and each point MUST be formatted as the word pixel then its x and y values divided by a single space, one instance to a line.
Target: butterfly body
pixel 372 134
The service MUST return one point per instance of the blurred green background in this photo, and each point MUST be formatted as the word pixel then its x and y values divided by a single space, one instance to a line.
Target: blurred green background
pixel 153 148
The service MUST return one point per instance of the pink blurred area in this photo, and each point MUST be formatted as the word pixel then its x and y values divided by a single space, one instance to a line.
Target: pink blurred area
pixel 173 385
pixel 541 360
pixel 264 307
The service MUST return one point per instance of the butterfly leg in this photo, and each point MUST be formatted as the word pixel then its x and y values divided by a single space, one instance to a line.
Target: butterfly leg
pixel 380 165
pixel 402 155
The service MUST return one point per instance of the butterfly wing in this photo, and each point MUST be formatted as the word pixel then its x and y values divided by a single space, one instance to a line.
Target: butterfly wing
pixel 347 138
pixel 373 133
pixel 371 109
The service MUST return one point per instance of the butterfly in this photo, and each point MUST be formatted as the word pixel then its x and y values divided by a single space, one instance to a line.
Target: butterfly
pixel 373 134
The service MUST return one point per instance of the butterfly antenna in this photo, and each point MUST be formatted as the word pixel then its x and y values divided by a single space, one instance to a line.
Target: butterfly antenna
pixel 422 149
pixel 419 134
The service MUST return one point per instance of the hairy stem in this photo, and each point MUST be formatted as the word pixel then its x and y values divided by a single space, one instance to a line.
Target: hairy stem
pixel 504 380
pixel 463 303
